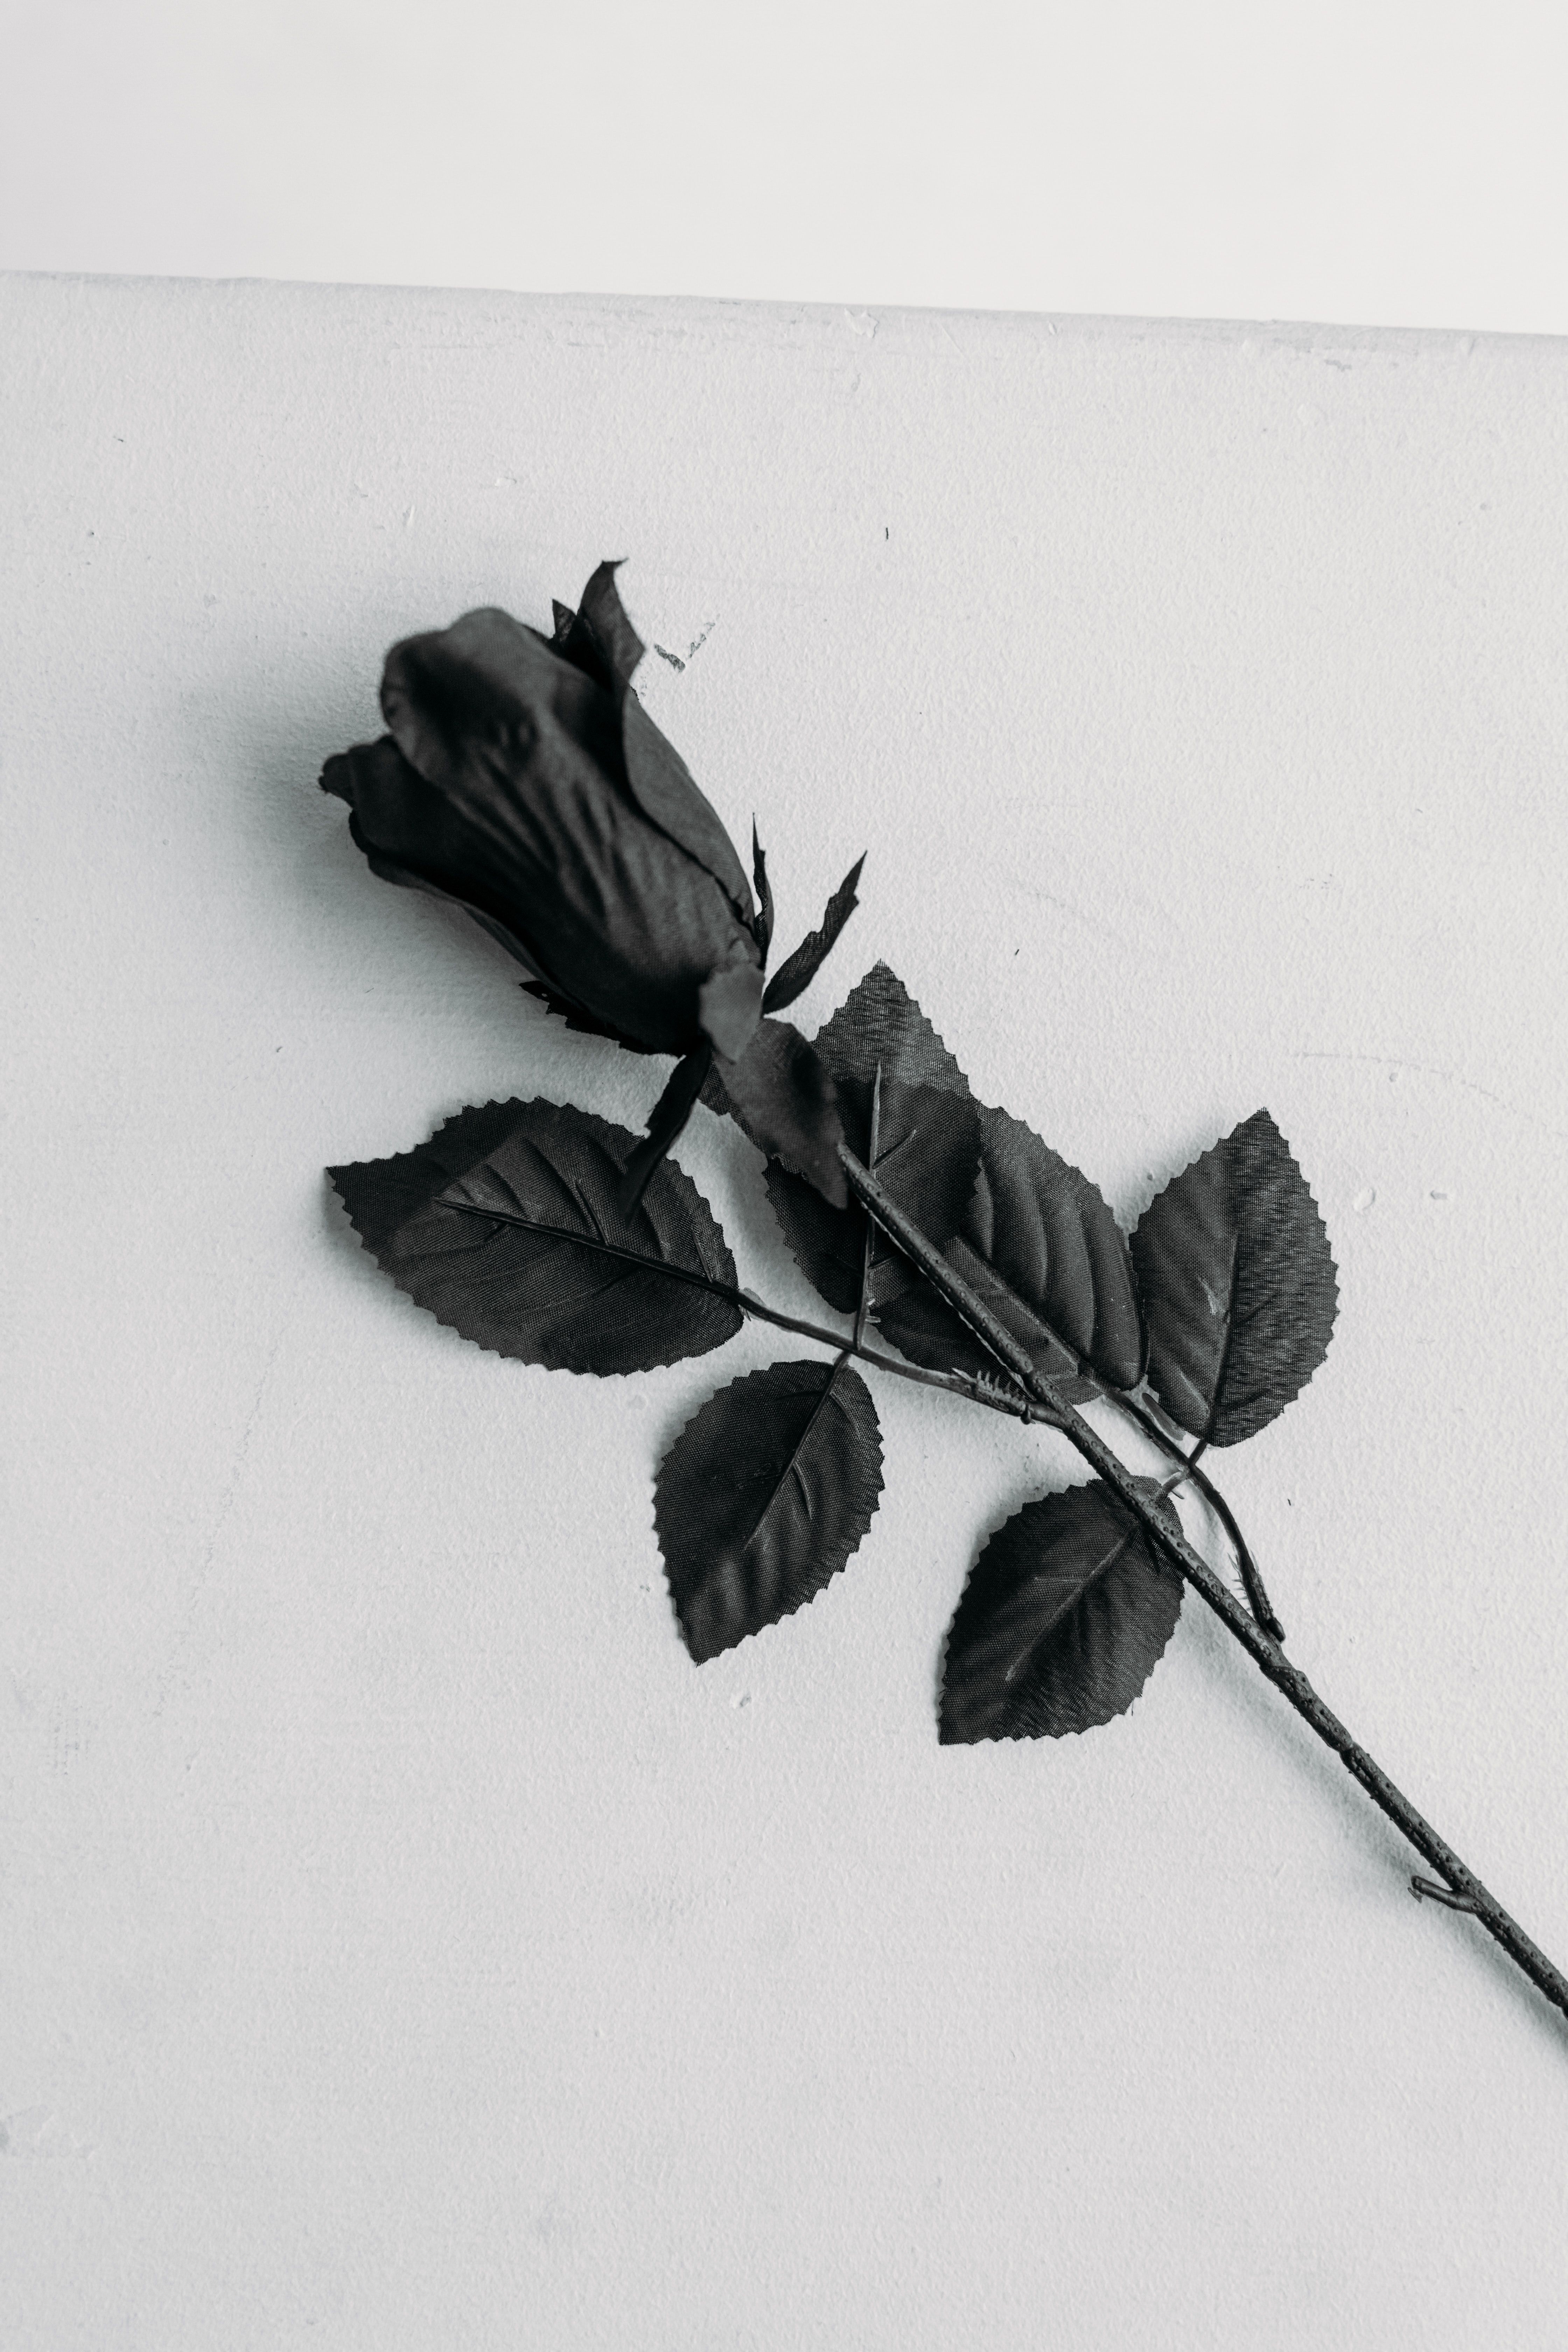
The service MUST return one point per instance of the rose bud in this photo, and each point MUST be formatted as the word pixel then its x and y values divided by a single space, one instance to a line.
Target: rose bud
pixel 522 779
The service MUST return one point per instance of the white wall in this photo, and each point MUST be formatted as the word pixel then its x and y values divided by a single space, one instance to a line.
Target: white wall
pixel 1363 160
pixel 403 1944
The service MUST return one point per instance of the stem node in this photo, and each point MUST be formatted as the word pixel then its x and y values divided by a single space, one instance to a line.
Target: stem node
pixel 1426 1890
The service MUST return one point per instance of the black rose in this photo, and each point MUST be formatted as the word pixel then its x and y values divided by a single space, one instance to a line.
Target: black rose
pixel 522 778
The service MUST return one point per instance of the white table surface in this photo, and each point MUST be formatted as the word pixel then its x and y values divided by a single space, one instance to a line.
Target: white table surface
pixel 403 1944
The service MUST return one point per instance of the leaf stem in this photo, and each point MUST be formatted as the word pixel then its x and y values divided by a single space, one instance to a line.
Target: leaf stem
pixel 1251 1577
pixel 869 1251
pixel 964 1384
pixel 1465 1890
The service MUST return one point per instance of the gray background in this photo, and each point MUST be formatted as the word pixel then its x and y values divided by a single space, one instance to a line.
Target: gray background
pixel 403 1944
pixel 1375 160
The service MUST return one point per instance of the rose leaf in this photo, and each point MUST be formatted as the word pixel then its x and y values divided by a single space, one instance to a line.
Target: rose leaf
pixel 1238 1285
pixel 506 1226
pixel 764 1496
pixel 1041 1245
pixel 1064 1616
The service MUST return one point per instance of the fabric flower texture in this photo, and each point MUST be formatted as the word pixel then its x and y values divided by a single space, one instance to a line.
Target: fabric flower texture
pixel 521 778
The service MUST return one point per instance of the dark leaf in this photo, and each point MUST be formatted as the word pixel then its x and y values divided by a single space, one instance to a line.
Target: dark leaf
pixel 880 1022
pixel 1239 1285
pixel 1041 1247
pixel 764 1496
pixel 763 929
pixel 928 1144
pixel 781 1096
pixel 800 968
pixel 1066 1614
pixel 926 1160
pixel 505 1225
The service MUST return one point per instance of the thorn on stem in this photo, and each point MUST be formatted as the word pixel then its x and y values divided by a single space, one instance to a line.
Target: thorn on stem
pixel 1428 1891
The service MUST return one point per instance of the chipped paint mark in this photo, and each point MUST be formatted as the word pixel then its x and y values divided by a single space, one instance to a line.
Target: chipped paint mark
pixel 692 650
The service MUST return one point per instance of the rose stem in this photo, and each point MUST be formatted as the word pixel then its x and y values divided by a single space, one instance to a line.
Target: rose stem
pixel 869 1249
pixel 1262 1607
pixel 1286 1678
pixel 1021 1408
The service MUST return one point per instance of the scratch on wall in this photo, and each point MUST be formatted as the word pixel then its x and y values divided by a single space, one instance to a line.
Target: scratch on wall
pixel 37 2133
pixel 1394 1063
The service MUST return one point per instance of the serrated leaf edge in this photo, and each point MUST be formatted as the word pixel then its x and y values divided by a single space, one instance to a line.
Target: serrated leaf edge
pixel 1080 1731
pixel 776 1624
pixel 577 1371
pixel 1262 1112
pixel 881 964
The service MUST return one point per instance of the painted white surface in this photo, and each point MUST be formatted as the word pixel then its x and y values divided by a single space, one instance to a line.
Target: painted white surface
pixel 1360 160
pixel 404 1943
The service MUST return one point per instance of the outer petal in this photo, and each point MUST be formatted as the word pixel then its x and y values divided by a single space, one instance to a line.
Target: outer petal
pixel 539 827
pixel 488 681
pixel 599 640
pixel 666 791
pixel 602 618
pixel 390 801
